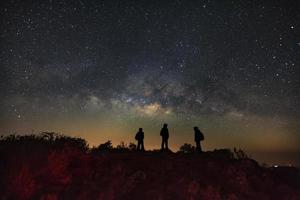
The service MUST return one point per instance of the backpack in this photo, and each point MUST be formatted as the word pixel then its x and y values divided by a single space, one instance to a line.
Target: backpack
pixel 136 136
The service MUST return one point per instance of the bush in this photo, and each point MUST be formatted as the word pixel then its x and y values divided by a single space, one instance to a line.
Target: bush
pixel 43 141
pixel 105 147
pixel 132 146
pixel 239 154
pixel 187 148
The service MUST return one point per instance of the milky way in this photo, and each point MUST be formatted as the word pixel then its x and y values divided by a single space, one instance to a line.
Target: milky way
pixel 90 68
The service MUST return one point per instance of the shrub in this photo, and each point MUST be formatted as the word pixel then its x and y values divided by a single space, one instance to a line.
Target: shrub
pixel 187 148
pixel 132 146
pixel 105 147
pixel 239 154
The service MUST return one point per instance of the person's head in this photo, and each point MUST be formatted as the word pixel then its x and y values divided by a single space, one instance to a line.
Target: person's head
pixel 196 128
pixel 140 129
pixel 165 125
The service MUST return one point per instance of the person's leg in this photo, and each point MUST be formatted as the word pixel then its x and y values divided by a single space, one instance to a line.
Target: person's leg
pixel 142 143
pixel 138 146
pixel 198 146
pixel 162 143
pixel 167 144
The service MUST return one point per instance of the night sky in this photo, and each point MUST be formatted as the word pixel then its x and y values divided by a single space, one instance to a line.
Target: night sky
pixel 102 69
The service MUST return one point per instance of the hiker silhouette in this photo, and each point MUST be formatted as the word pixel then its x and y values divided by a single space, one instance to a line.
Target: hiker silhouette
pixel 139 136
pixel 198 138
pixel 164 133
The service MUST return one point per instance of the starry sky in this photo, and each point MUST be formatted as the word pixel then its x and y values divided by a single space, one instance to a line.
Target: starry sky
pixel 102 69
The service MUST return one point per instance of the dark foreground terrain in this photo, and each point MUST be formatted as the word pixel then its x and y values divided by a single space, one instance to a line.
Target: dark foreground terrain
pixel 57 167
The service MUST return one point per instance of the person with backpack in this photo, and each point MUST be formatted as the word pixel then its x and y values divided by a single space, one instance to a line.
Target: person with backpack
pixel 164 133
pixel 139 136
pixel 198 138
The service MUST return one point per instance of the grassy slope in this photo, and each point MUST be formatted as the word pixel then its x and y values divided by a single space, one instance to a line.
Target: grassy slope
pixel 66 172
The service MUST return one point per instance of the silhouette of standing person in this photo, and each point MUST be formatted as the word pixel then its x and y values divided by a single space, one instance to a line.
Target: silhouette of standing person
pixel 198 138
pixel 139 136
pixel 164 133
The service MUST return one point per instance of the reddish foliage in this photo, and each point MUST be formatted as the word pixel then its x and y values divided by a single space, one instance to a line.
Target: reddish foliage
pixel 21 184
pixel 66 172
